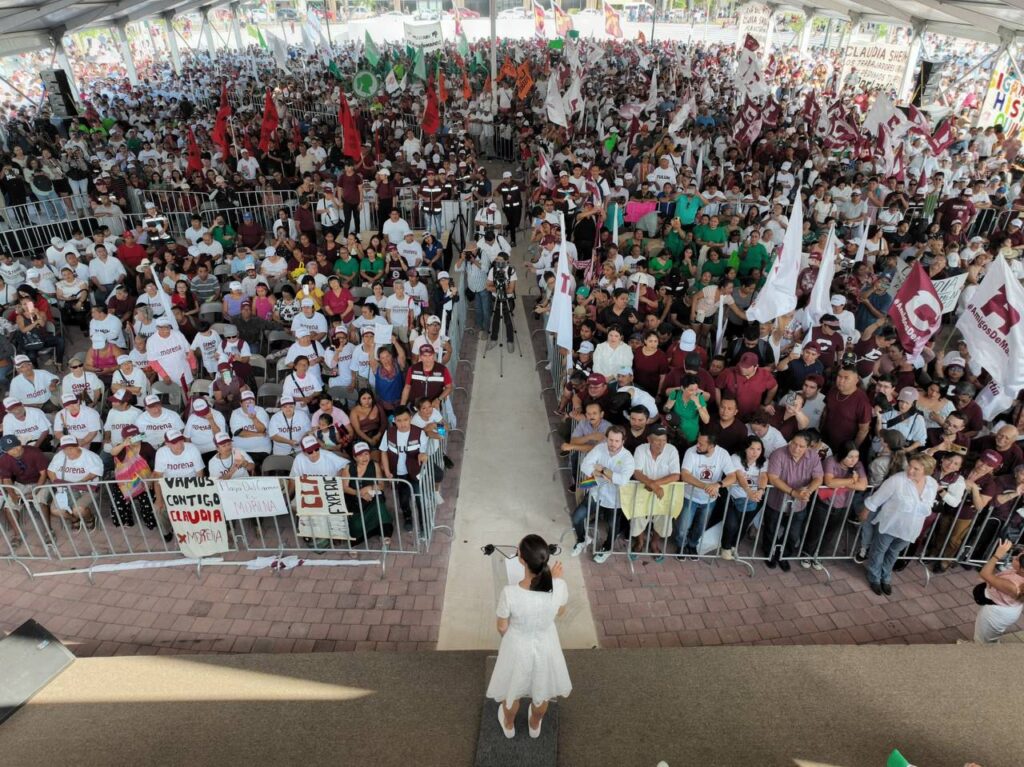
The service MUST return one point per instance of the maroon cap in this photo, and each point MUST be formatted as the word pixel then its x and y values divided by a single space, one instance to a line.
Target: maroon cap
pixel 991 458
pixel 748 360
pixel 596 379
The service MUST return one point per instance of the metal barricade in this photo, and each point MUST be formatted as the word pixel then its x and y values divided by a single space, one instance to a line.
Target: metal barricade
pixel 83 526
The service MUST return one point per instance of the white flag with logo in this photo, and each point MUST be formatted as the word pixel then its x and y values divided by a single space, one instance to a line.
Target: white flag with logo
pixel 560 318
pixel 991 328
pixel 778 296
pixel 554 104
pixel 821 295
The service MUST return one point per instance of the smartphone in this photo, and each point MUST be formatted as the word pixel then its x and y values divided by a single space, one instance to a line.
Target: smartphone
pixel 442 431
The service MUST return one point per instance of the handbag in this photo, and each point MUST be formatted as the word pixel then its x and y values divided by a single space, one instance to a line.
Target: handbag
pixel 979 595
pixel 31 341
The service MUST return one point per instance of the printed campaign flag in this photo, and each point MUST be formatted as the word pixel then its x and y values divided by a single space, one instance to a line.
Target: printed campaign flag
pixel 992 329
pixel 563 21
pixel 612 22
pixel 538 20
pixel 821 295
pixel 554 105
pixel 916 311
pixel 560 318
pixel 778 296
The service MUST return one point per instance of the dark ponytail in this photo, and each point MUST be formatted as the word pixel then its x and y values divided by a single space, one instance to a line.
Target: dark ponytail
pixel 535 552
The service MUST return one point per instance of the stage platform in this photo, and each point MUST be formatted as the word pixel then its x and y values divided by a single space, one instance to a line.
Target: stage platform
pixel 730 706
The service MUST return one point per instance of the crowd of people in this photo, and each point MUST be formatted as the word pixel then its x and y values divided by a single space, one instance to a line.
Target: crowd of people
pixel 672 223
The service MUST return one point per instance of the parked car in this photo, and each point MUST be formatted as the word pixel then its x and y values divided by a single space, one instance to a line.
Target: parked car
pixel 590 12
pixel 514 13
pixel 287 14
pixel 464 13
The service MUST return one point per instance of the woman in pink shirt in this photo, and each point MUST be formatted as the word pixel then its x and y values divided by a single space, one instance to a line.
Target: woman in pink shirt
pixel 1002 596
pixel 338 301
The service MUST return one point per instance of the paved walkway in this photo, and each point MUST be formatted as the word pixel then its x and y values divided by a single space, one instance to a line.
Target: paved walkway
pixel 506 492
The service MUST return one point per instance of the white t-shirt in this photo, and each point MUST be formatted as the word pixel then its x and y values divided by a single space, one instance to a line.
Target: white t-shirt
pixel 117 420
pixel 153 428
pixel 188 464
pixel 171 354
pixel 87 420
pixel 752 473
pixel 34 425
pixel 218 466
pixel 35 392
pixel 305 386
pixel 341 361
pixel 706 468
pixel 241 420
pixel 435 418
pixel 400 309
pixel 656 468
pixel 208 347
pixel 79 385
pixel 402 442
pixel 316 324
pixel 110 328
pixel 327 465
pixel 66 469
pixel 294 428
pixel 134 378
pixel 200 433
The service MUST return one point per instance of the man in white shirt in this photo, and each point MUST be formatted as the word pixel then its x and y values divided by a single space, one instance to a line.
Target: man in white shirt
pixel 121 414
pixel 156 421
pixel 105 271
pixel 168 354
pixel 310 321
pixel 196 231
pixel 29 424
pixel 612 466
pixel 314 462
pixel 207 246
pixel 229 462
pixel 178 458
pixel 33 387
pixel 56 254
pixel 395 227
pixel 410 250
pixel 105 324
pixel 248 166
pixel 76 468
pixel 707 468
pixel 249 426
pixel 401 311
pixel 78 420
pixel 656 466
pixel 287 427
pixel 329 210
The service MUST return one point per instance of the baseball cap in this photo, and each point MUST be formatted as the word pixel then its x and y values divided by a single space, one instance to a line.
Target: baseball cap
pixel 11 402
pixel 956 361
pixel 21 359
pixel 307 302
pixel 236 285
pixel 837 300
pixel 658 431
pixel 130 430
pixel 596 379
pixel 173 436
pixel 908 394
pixel 123 358
pixel 368 329
pixel 287 400
pixel 247 394
pixel 163 322
pixel 586 348
pixel 152 399
pixel 339 329
pixel 221 438
pixel 443 276
pixel 309 444
pixel 688 341
pixel 68 441
pixel 121 395
pixel 68 399
pixel 991 458
pixel 433 319
pixel 358 449
pixel 230 331
pixel 200 406
pixel 625 370
pixel 748 360
pixel 99 342
pixel 8 443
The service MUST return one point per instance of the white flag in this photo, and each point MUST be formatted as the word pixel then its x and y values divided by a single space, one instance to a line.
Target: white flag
pixel 686 110
pixel 884 112
pixel 309 40
pixel 573 99
pixel 280 50
pixel 652 93
pixel 165 300
pixel 554 104
pixel 391 82
pixel 992 329
pixel 545 175
pixel 700 167
pixel 560 318
pixel 862 244
pixel 778 296
pixel 821 295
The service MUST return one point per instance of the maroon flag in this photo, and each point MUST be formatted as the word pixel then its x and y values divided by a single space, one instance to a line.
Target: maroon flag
pixel 942 139
pixel 748 124
pixel 220 127
pixel 269 123
pixel 352 145
pixel 771 115
pixel 841 131
pixel 920 122
pixel 916 311
pixel 812 111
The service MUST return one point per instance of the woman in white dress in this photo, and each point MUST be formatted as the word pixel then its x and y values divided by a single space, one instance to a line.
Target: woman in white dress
pixel 530 661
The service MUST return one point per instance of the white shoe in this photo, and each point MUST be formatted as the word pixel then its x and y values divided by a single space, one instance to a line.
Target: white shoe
pixel 510 732
pixel 727 555
pixel 601 557
pixel 581 546
pixel 817 565
pixel 805 564
pixel 438 500
pixel 533 733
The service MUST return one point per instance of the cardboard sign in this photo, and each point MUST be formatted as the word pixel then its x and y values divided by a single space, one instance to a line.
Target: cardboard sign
pixel 754 20
pixel 193 506
pixel 949 291
pixel 251 497
pixel 425 36
pixel 320 506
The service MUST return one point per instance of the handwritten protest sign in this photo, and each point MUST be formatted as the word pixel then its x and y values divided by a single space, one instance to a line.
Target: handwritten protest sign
pixel 251 497
pixel 320 506
pixel 193 506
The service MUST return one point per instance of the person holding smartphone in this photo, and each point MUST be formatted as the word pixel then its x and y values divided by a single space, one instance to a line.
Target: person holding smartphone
pixel 1001 593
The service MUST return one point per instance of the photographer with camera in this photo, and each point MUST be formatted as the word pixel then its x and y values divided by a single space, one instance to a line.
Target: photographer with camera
pixel 501 284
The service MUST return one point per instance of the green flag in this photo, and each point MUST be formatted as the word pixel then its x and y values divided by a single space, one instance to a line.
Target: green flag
pixel 896 759
pixel 419 65
pixel 463 46
pixel 610 142
pixel 335 70
pixel 370 50
pixel 556 44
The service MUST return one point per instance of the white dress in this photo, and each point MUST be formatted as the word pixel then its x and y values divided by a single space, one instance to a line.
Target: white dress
pixel 530 661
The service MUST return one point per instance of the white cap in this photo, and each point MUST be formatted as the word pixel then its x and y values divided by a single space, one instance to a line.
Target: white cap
pixel 307 302
pixel 57 242
pixel 269 251
pixel 586 348
pixel 837 300
pixel 123 358
pixel 433 319
pixel 68 441
pixel 443 276
pixel 507 174
pixel 152 399
pixel 688 341
pixel 163 322
pixel 235 285
pixel 11 402
pixel 21 359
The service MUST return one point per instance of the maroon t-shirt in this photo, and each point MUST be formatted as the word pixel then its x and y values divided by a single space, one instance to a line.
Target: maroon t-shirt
pixel 844 415
pixel 730 438
pixel 1011 458
pixel 349 186
pixel 647 370
pixel 26 470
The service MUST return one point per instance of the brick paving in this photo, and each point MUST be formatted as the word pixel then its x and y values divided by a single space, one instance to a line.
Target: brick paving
pixel 232 610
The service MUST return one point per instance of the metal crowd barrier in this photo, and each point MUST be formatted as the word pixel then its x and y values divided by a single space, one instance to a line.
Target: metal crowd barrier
pixel 135 529
pixel 819 535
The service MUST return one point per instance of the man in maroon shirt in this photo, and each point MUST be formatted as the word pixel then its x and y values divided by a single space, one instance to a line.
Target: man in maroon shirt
pixel 21 467
pixel 963 400
pixel 351 185
pixel 691 366
pixel 730 432
pixel 848 412
pixel 751 386
pixel 250 233
pixel 956 209
pixel 828 339
pixel 1003 442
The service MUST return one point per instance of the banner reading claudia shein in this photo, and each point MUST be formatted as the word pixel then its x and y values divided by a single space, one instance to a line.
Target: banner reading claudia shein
pixel 880 65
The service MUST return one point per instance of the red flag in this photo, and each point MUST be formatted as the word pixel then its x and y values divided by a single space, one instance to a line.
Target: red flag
pixel 538 20
pixel 270 122
pixel 220 128
pixel 750 43
pixel 916 311
pixel 612 22
pixel 467 92
pixel 431 115
pixel 442 88
pixel 772 112
pixel 352 143
pixel 195 160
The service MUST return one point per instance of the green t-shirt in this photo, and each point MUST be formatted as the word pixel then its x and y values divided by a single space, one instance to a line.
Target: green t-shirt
pixel 348 268
pixel 674 244
pixel 718 234
pixel 754 257
pixel 687 413
pixel 717 269
pixel 372 265
pixel 687 208
pixel 661 264
pixel 225 235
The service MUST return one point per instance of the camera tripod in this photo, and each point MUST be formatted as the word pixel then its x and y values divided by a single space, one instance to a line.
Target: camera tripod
pixel 502 314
